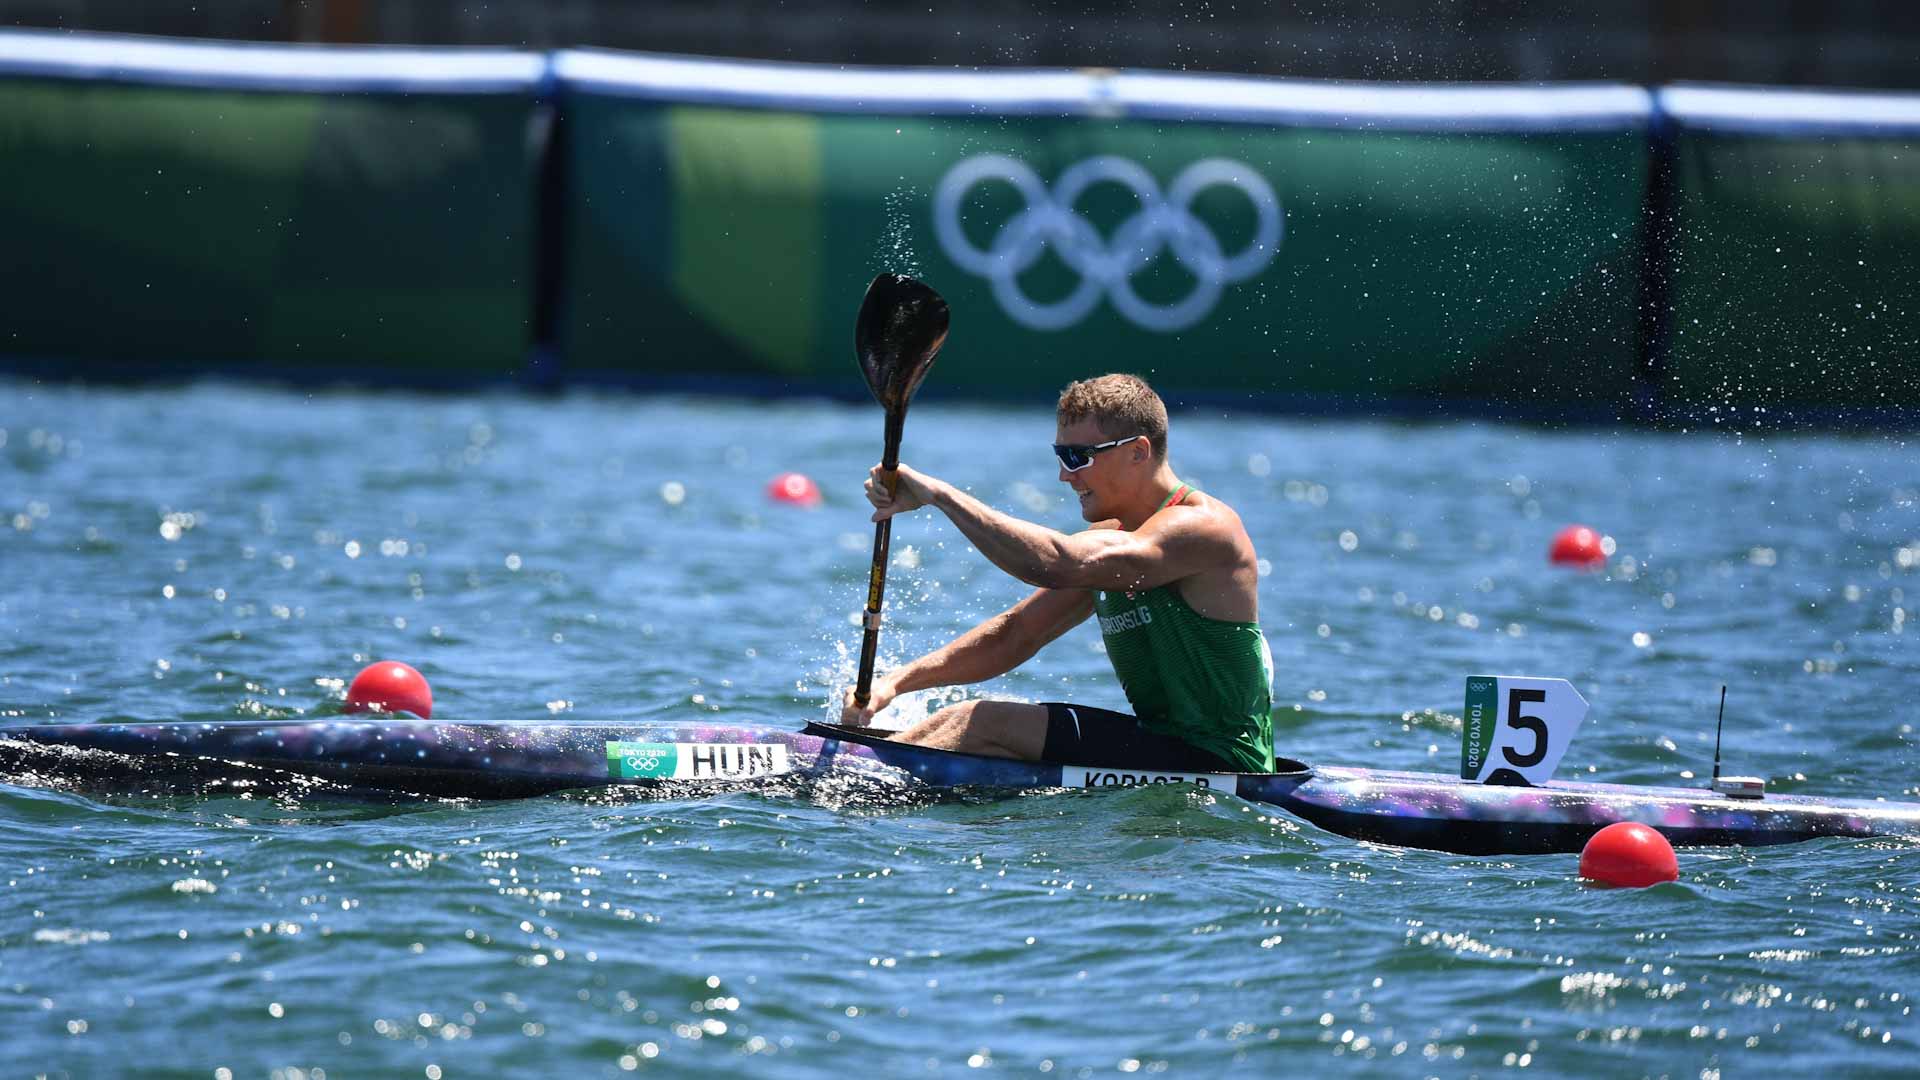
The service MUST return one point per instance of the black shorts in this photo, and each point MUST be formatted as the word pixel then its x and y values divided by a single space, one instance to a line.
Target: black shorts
pixel 1083 735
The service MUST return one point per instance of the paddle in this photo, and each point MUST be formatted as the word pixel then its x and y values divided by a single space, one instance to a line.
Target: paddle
pixel 901 326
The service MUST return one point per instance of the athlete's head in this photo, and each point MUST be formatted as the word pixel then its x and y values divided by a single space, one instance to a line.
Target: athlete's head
pixel 1110 437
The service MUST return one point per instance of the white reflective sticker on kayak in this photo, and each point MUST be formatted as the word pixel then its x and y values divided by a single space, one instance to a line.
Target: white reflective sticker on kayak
pixel 695 761
pixel 1081 777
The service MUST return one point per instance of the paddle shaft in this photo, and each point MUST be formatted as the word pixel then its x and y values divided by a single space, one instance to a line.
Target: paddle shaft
pixel 877 575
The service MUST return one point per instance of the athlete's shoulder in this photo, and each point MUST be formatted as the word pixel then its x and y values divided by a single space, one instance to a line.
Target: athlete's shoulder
pixel 1200 507
pixel 1212 521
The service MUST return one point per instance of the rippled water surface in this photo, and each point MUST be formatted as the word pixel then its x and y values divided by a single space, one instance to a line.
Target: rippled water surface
pixel 214 552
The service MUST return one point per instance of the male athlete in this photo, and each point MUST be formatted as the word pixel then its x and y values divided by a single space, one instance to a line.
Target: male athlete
pixel 1171 573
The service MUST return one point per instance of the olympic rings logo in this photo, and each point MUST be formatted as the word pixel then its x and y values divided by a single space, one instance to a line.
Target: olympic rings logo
pixel 1106 267
pixel 642 760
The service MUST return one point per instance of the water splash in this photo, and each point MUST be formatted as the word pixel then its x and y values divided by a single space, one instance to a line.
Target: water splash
pixel 894 251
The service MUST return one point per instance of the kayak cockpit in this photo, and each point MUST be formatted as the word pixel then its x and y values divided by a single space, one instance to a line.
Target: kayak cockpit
pixel 877 740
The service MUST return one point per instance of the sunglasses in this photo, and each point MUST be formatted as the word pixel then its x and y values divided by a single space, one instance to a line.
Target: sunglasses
pixel 1074 458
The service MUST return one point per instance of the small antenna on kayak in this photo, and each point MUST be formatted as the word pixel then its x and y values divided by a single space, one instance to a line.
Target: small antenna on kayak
pixel 1734 787
pixel 1718 724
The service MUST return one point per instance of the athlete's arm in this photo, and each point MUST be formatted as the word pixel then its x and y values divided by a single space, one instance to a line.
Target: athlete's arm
pixel 1170 546
pixel 992 648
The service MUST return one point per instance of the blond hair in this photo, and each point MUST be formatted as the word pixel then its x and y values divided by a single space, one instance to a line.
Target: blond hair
pixel 1121 406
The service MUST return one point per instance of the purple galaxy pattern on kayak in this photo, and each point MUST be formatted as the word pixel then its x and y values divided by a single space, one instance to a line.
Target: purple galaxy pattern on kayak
pixel 495 760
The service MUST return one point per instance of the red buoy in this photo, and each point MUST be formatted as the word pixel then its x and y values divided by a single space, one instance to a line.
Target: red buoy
pixel 796 489
pixel 1578 545
pixel 1628 854
pixel 390 686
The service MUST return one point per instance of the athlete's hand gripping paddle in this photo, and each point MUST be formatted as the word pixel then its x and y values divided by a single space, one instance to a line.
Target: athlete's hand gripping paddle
pixel 901 326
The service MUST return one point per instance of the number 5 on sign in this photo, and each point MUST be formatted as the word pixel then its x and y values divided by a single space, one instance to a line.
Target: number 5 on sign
pixel 1515 729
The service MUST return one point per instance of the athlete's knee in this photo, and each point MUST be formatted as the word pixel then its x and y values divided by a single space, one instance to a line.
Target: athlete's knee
pixel 959 712
pixel 993 728
pixel 1006 729
pixel 957 717
pixel 943 725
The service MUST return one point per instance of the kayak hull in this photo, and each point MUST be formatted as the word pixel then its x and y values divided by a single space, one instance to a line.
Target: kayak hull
pixel 389 757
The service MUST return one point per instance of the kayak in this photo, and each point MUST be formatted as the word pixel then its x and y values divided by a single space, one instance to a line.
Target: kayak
pixel 403 757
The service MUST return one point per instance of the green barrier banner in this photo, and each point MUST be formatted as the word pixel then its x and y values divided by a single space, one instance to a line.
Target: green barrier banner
pixel 420 215
pixel 1796 255
pixel 1219 258
pixel 256 219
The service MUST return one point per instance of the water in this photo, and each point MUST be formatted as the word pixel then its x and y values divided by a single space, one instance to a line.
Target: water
pixel 215 552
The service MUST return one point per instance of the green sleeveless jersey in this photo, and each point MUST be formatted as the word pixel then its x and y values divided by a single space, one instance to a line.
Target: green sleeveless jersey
pixel 1208 682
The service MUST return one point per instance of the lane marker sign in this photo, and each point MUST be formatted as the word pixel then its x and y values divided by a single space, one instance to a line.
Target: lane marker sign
pixel 1516 728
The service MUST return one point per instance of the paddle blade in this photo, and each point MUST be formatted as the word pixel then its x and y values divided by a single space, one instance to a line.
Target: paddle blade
pixel 901 327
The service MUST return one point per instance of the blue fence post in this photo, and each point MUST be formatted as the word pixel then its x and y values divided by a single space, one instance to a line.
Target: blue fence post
pixel 547 136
